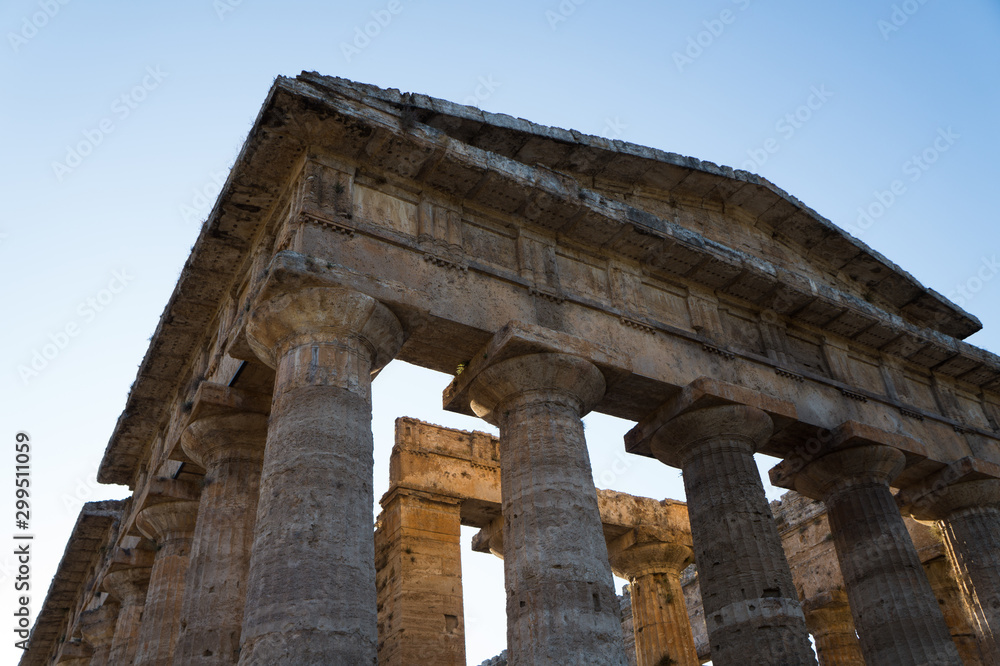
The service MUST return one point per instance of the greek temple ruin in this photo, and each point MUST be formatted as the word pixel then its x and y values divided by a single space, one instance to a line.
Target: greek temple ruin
pixel 551 274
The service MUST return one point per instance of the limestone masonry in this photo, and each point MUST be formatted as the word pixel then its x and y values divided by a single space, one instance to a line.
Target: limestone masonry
pixel 551 274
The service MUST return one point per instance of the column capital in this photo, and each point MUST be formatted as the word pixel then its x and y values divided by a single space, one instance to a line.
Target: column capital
pixel 842 469
pixel 638 553
pixel 228 435
pixel 702 395
pixel 967 484
pixel 680 437
pixel 128 586
pixel 289 319
pixel 167 520
pixel 563 378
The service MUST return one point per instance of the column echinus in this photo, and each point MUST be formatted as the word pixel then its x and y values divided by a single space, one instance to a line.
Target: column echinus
pixel 711 430
pixel 895 612
pixel 168 521
pixel 561 603
pixel 226 437
pixel 652 559
pixel 311 587
pixel 964 500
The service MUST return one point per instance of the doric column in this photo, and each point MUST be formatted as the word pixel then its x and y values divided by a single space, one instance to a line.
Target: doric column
pixel 231 449
pixel 949 596
pixel 311 588
pixel 966 506
pixel 418 565
pixel 98 628
pixel 170 526
pixel 660 618
pixel 561 603
pixel 751 605
pixel 832 627
pixel 128 587
pixel 895 612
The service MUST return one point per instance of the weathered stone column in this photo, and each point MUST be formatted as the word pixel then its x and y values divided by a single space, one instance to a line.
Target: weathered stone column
pixel 231 449
pixel 170 525
pixel 418 565
pixel 128 587
pixel 895 611
pixel 966 505
pixel 660 618
pixel 98 629
pixel 832 627
pixel 311 588
pixel 561 603
pixel 751 605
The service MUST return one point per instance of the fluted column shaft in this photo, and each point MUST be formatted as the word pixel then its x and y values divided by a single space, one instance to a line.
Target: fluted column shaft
pixel 561 603
pixel 832 628
pixel 953 608
pixel 231 448
pixel 968 513
pixel 659 614
pixel 972 538
pixel 170 525
pixel 311 587
pixel 98 629
pixel 751 606
pixel 128 587
pixel 895 611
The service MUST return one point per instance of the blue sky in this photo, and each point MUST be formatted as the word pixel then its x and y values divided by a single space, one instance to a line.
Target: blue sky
pixel 839 103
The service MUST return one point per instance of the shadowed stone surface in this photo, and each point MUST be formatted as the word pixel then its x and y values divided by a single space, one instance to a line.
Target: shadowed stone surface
pixel 231 449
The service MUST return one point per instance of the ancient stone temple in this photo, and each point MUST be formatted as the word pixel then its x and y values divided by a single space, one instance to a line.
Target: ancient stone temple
pixel 551 274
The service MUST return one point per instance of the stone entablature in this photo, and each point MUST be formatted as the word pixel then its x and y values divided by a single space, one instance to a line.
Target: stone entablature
pixel 551 245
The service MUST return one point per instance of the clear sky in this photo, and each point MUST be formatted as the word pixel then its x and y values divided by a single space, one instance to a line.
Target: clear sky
pixel 122 119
